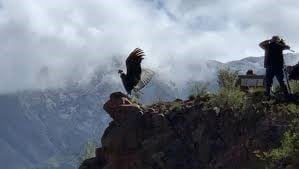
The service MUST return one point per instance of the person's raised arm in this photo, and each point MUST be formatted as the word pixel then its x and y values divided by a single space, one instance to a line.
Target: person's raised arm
pixel 264 44
pixel 284 45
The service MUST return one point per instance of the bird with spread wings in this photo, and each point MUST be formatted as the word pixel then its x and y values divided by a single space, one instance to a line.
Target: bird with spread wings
pixel 135 78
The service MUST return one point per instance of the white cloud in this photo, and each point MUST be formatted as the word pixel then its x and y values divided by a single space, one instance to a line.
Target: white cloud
pixel 70 38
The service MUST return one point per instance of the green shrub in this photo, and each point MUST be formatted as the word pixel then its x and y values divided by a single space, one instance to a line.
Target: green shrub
pixel 294 86
pixel 293 108
pixel 228 99
pixel 289 149
pixel 198 89
pixel 227 78
pixel 289 146
pixel 176 106
pixel 229 96
pixel 256 95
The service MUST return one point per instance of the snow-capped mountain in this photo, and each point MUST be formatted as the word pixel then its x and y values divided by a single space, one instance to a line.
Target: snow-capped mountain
pixel 41 125
pixel 257 63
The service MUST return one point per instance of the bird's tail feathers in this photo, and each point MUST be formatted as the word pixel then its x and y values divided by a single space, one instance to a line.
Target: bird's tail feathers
pixel 146 77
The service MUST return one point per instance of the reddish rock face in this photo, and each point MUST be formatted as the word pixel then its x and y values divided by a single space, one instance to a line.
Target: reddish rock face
pixel 182 135
pixel 122 138
pixel 121 109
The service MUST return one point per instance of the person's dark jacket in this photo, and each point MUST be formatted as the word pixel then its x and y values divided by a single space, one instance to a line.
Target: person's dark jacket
pixel 273 53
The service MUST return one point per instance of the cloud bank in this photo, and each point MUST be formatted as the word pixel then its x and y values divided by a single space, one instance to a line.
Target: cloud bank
pixel 66 39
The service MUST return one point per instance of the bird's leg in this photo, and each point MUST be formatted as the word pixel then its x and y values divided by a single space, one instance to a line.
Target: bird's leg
pixel 128 95
pixel 137 91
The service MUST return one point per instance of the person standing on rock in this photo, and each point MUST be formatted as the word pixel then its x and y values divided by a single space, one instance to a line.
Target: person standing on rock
pixel 274 63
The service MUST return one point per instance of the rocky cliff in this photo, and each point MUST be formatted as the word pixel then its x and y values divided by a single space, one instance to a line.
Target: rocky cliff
pixel 193 134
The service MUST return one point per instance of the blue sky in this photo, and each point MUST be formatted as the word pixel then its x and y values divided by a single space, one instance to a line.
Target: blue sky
pixel 68 36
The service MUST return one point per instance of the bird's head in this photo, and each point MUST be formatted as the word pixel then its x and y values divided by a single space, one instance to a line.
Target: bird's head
pixel 121 74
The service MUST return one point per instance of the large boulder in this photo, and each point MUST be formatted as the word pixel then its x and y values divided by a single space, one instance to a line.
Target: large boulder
pixel 122 139
pixel 121 109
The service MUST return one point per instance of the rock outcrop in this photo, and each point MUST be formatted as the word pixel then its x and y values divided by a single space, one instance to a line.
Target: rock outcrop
pixel 185 135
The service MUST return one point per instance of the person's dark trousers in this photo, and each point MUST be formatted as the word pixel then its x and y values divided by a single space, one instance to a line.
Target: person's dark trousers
pixel 278 73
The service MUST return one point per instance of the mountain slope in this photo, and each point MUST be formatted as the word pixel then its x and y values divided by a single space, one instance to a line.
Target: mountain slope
pixel 36 125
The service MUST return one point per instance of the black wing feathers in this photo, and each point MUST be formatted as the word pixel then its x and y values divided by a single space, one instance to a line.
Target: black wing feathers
pixel 133 64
